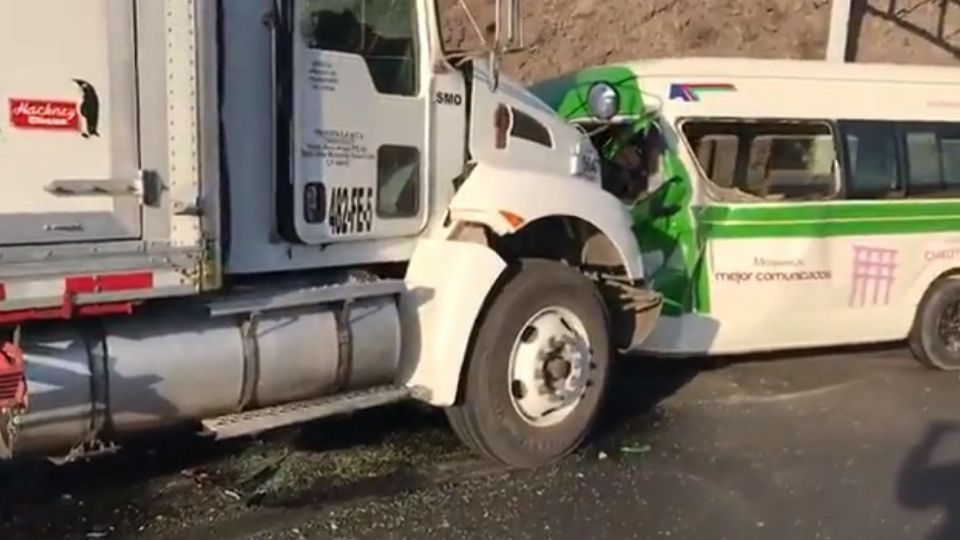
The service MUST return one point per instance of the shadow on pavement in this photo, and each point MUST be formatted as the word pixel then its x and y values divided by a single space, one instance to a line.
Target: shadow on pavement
pixel 396 449
pixel 923 484
pixel 41 500
pixel 637 387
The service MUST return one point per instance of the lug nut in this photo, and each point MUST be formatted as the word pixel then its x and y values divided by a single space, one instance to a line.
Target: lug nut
pixel 518 389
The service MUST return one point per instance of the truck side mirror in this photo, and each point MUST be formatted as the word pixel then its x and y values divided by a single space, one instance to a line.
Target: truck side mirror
pixel 508 36
pixel 510 25
pixel 496 60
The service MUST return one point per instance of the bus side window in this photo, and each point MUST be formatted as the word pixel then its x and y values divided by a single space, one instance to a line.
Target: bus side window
pixel 718 155
pixel 774 160
pixel 933 159
pixel 871 157
pixel 923 161
pixel 950 154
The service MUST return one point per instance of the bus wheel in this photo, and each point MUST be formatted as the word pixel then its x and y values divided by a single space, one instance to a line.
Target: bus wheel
pixel 537 369
pixel 935 336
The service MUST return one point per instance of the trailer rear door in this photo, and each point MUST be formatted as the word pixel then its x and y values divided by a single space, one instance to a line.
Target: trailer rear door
pixel 69 151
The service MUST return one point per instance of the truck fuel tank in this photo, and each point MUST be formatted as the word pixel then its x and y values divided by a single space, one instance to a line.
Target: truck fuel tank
pixel 88 382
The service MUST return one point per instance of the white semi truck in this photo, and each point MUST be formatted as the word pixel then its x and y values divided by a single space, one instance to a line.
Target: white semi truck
pixel 244 215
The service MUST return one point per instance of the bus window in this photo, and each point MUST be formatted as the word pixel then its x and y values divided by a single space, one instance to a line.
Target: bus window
pixel 872 169
pixel 933 159
pixel 923 161
pixel 950 155
pixel 718 155
pixel 772 160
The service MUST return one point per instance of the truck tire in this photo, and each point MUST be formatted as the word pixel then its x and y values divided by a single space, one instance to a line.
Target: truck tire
pixel 935 336
pixel 537 369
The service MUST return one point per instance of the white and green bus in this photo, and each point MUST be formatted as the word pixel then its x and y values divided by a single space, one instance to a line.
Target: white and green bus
pixel 784 204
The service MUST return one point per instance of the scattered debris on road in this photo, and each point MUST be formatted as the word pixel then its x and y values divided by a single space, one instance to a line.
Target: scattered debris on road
pixel 636 450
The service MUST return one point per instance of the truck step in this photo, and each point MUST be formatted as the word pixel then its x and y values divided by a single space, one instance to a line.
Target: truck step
pixel 260 420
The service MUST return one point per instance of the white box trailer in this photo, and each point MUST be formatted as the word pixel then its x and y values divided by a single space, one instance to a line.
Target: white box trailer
pixel 245 215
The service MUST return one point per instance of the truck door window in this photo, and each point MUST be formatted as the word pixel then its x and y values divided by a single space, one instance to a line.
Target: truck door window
pixel 398 181
pixel 383 32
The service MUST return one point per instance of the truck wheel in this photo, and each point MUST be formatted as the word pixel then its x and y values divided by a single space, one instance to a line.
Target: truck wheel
pixel 935 336
pixel 537 369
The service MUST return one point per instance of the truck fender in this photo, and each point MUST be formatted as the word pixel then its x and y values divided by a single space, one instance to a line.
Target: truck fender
pixel 507 200
pixel 448 283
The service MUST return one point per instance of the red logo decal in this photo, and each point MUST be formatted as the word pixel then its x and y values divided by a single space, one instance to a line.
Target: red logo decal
pixel 44 114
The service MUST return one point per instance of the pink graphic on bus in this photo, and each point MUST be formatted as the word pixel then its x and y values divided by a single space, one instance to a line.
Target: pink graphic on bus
pixel 874 273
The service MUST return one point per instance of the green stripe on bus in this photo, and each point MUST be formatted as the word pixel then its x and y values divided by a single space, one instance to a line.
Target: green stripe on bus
pixel 829 211
pixel 827 220
pixel 829 229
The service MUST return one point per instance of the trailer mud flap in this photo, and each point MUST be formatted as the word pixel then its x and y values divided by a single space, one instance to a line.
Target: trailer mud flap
pixel 13 396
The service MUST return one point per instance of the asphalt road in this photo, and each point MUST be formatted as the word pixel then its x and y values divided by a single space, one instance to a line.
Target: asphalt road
pixel 840 445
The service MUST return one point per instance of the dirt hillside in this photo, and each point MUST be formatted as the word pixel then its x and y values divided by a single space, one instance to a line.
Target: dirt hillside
pixel 563 35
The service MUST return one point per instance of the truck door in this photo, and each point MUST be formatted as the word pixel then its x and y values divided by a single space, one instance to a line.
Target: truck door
pixel 68 143
pixel 358 122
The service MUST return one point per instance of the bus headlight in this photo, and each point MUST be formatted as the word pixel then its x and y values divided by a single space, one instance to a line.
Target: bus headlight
pixel 604 101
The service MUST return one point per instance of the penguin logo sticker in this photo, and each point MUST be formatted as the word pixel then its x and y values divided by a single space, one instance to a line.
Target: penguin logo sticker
pixel 89 109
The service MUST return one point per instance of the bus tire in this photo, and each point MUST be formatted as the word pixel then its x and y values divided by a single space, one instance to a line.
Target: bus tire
pixel 935 340
pixel 537 369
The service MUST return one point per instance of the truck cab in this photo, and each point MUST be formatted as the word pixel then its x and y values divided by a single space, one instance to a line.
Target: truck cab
pixel 314 204
pixel 372 124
